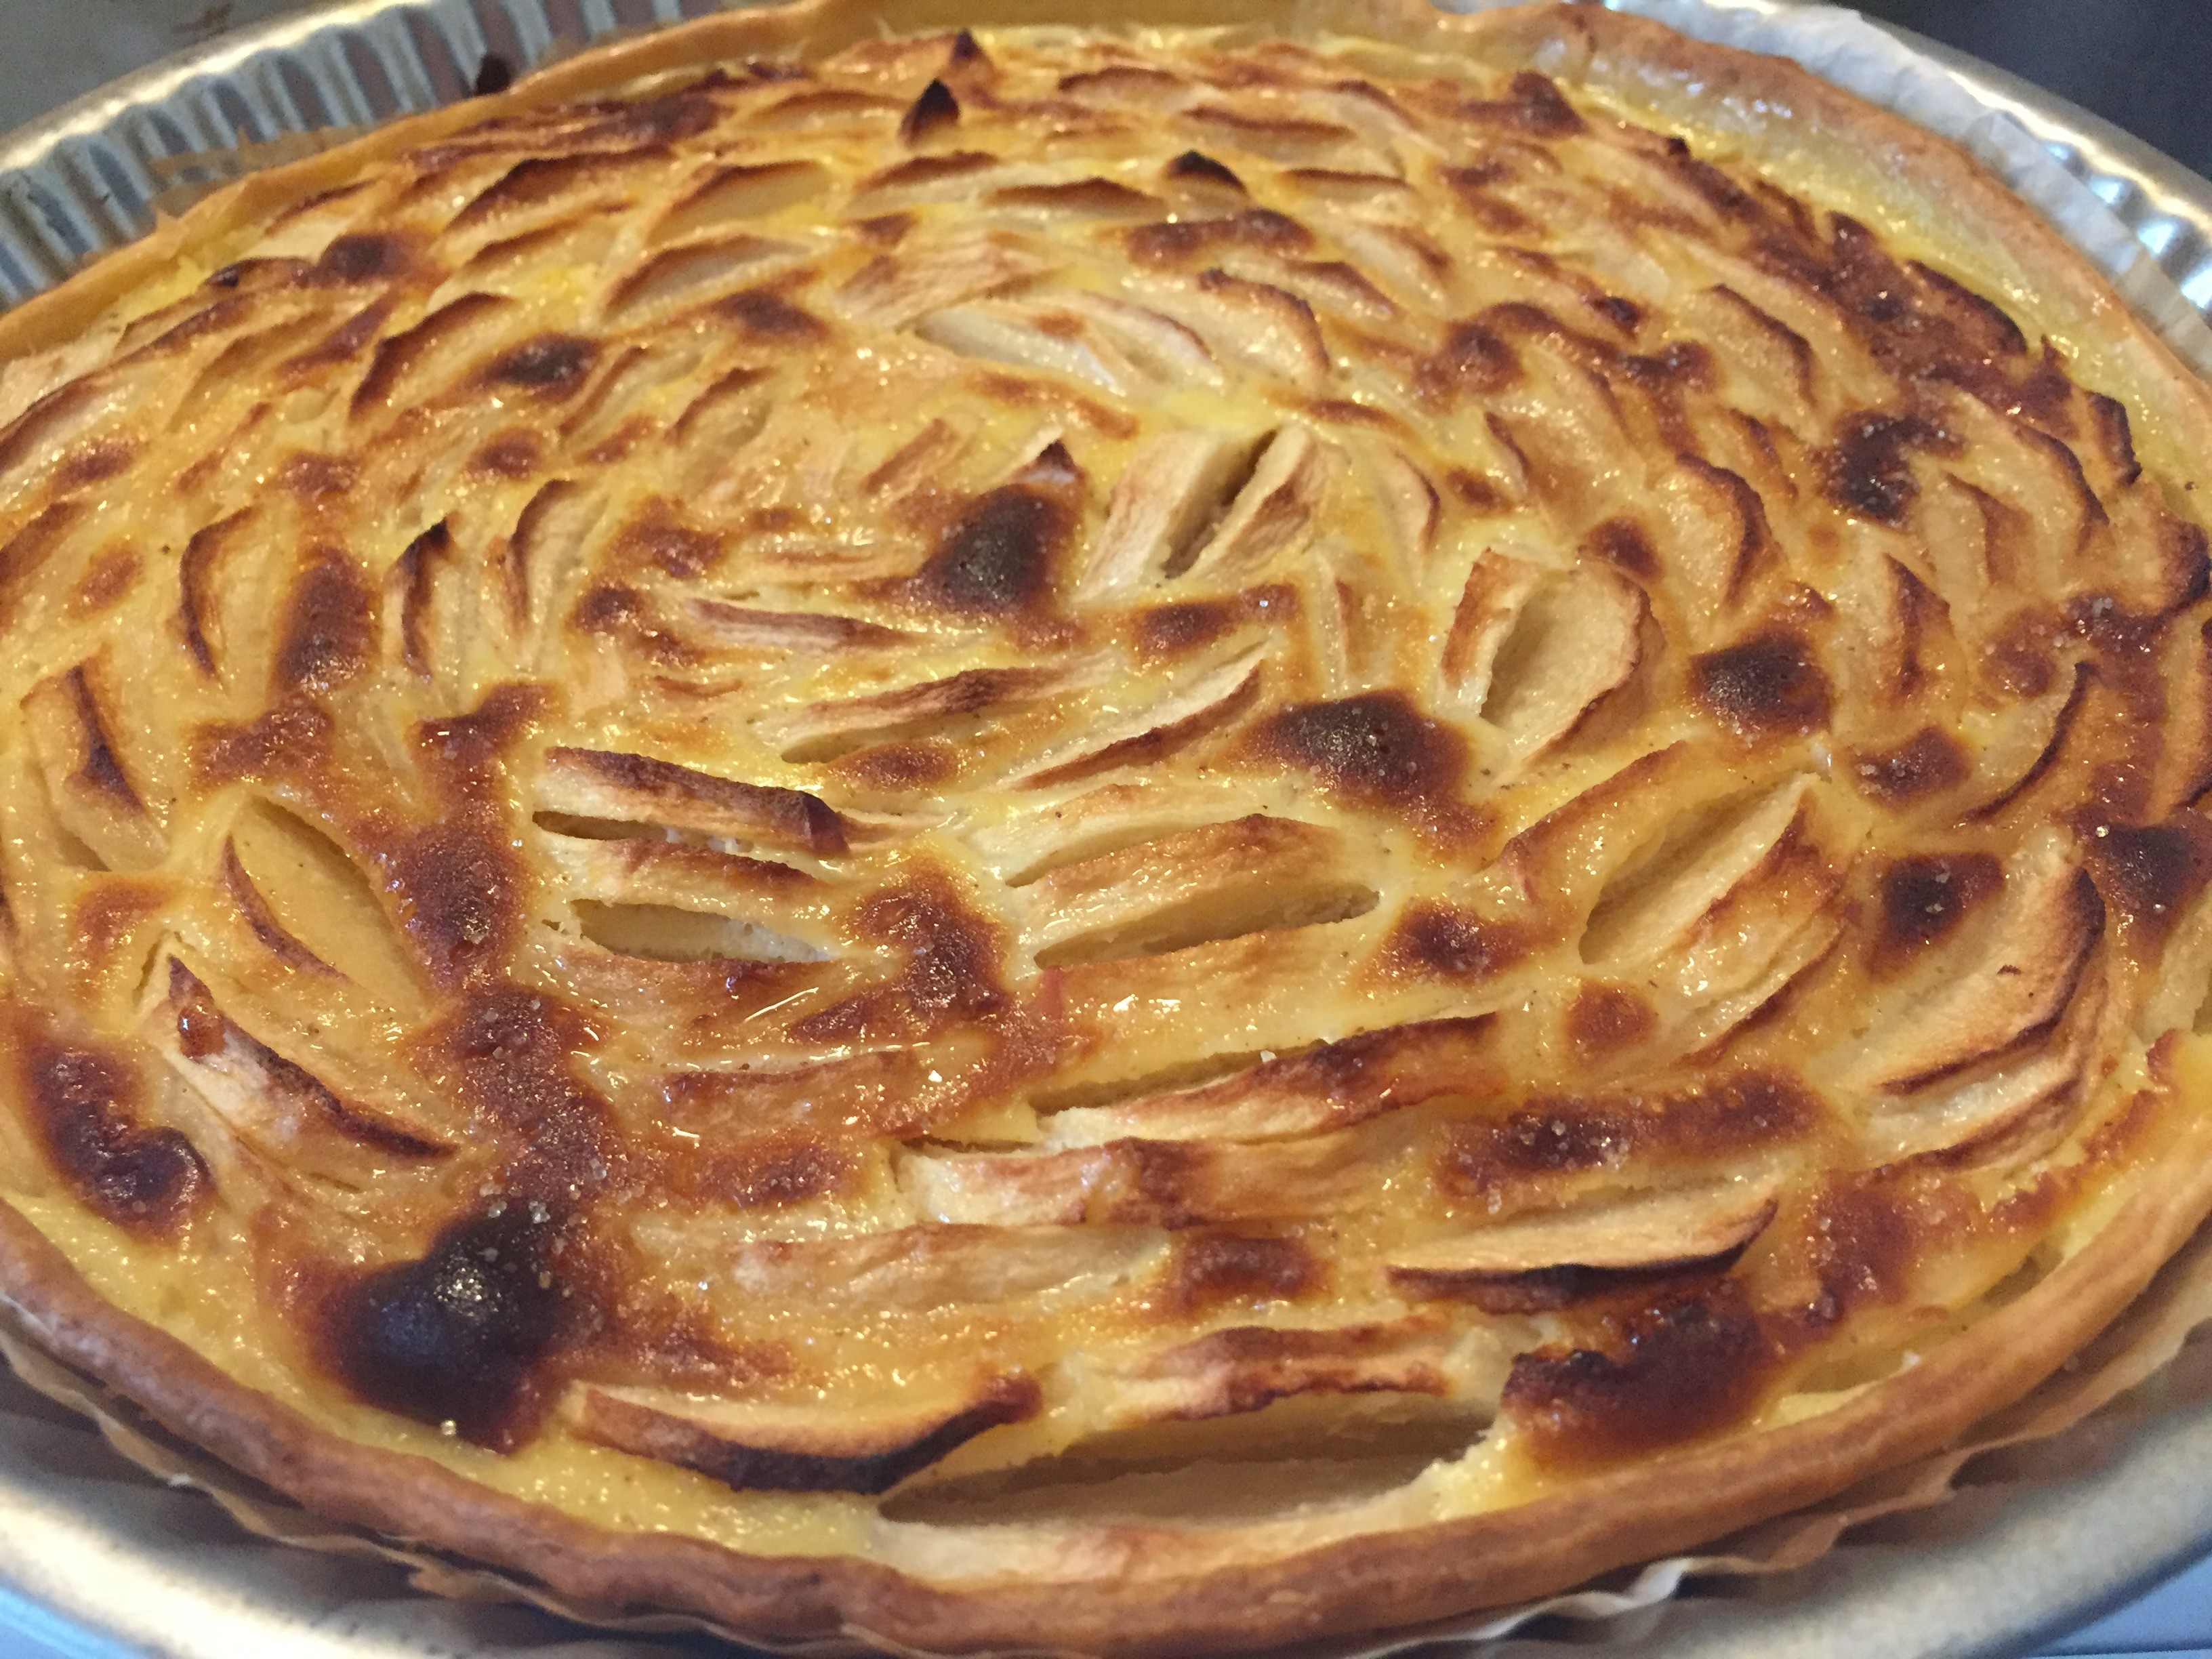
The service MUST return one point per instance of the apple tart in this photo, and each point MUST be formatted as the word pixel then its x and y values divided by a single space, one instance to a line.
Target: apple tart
pixel 1127 833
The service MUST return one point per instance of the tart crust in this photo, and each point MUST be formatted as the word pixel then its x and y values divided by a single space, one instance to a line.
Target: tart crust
pixel 1145 1607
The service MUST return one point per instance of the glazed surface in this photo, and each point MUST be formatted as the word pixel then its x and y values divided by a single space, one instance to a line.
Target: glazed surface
pixel 861 800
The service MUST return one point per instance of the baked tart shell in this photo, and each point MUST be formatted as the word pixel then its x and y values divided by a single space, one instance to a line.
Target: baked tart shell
pixel 1148 1603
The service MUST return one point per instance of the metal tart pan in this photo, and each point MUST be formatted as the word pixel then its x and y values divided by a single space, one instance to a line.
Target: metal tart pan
pixel 99 1561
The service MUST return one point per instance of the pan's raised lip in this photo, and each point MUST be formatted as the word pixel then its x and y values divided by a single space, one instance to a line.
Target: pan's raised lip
pixel 96 112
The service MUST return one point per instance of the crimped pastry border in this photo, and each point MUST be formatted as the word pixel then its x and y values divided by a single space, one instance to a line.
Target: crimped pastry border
pixel 1149 1608
pixel 1145 1612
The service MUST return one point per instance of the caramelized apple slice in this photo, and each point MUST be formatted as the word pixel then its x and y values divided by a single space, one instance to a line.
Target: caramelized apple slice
pixel 826 1445
pixel 1544 1258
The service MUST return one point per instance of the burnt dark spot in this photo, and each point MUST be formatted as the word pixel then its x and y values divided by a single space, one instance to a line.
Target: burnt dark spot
pixel 1546 1290
pixel 1604 1019
pixel 1860 1249
pixel 2147 875
pixel 1978 327
pixel 1624 314
pixel 1770 685
pixel 1522 318
pixel 1170 630
pixel 457 888
pixel 765 317
pixel 506 1052
pixel 2110 416
pixel 767 1174
pixel 1492 212
pixel 1203 168
pixel 1348 411
pixel 109 917
pixel 31 432
pixel 315 204
pixel 102 771
pixel 1170 241
pixel 460 1336
pixel 364 257
pixel 1054 466
pixel 1397 1066
pixel 932 111
pixel 1868 471
pixel 1918 609
pixel 329 626
pixel 201 1027
pixel 950 977
pixel 341 345
pixel 291 740
pixel 998 555
pixel 1440 941
pixel 95 463
pixel 1484 497
pixel 1721 193
pixel 453 747
pixel 967 51
pixel 1377 748
pixel 1923 900
pixel 2116 632
pixel 1250 1367
pixel 1207 1269
pixel 512 455
pixel 617 610
pixel 902 767
pixel 84 1106
pixel 609 609
pixel 398 355
pixel 1664 378
pixel 1158 1180
pixel 1533 104
pixel 658 537
pixel 1928 764
pixel 552 365
pixel 1623 543
pixel 1727 1117
pixel 1665 1373
pixel 1548 1138
pixel 2022 660
pixel 494 75
pixel 1474 361
pixel 653 121
pixel 319 477
pixel 520 1033
pixel 218 318
pixel 953 968
pixel 105 583
pixel 2186 552
pixel 2042 397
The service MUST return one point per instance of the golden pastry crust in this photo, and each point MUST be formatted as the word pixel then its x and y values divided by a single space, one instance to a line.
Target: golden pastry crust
pixel 1141 840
